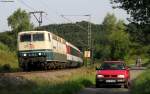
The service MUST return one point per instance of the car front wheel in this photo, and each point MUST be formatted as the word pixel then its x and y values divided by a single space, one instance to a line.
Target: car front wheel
pixel 127 84
pixel 97 85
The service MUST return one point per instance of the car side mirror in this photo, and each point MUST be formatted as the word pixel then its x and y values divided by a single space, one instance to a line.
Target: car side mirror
pixel 127 68
pixel 97 68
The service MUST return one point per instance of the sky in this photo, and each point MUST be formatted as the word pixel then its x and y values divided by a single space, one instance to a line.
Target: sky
pixel 55 8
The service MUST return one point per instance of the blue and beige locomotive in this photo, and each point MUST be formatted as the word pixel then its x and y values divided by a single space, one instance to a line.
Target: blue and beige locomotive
pixel 45 50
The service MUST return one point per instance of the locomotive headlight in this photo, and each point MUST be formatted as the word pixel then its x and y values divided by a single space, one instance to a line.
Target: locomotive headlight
pixel 40 54
pixel 121 76
pixel 24 54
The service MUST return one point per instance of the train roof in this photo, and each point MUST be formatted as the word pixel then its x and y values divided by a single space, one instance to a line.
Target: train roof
pixel 27 32
pixel 72 46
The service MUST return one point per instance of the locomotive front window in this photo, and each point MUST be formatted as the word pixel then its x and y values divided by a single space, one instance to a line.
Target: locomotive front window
pixel 25 38
pixel 38 37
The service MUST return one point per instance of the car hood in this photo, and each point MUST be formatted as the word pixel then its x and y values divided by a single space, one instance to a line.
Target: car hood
pixel 111 72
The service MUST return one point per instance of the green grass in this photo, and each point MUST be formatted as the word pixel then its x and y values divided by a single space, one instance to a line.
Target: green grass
pixel 8 59
pixel 131 60
pixel 142 84
pixel 67 84
pixel 74 83
pixel 67 87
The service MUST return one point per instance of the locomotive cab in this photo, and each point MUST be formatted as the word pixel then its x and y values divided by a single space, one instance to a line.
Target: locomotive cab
pixel 33 41
pixel 33 49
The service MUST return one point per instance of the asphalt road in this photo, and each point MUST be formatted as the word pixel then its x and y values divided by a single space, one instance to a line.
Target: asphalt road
pixel 112 90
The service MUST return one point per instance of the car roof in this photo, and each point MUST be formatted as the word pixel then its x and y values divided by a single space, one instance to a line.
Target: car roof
pixel 113 61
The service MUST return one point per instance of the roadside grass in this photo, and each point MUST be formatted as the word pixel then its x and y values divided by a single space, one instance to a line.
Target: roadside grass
pixel 67 87
pixel 132 59
pixel 142 84
pixel 8 59
pixel 65 84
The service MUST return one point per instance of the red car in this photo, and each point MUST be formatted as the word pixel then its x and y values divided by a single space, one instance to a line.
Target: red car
pixel 112 73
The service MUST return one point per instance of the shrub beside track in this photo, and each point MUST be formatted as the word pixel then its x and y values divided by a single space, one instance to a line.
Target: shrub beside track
pixel 142 84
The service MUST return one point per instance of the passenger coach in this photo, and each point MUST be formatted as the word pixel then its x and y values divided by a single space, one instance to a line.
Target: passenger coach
pixel 45 50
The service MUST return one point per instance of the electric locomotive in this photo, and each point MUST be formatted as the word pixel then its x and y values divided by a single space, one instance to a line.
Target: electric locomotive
pixel 45 50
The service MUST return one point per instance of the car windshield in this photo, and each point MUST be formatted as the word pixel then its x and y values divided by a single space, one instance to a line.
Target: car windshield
pixel 112 66
pixel 25 38
pixel 38 37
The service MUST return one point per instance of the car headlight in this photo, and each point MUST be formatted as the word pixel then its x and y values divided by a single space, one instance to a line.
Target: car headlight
pixel 121 76
pixel 100 76
pixel 40 54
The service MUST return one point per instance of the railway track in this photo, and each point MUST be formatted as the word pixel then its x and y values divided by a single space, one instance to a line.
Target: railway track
pixel 20 73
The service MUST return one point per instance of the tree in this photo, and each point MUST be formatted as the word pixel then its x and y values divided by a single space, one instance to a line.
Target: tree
pixel 136 33
pixel 138 9
pixel 8 39
pixel 101 44
pixel 109 23
pixel 119 45
pixel 119 42
pixel 140 17
pixel 116 36
pixel 20 21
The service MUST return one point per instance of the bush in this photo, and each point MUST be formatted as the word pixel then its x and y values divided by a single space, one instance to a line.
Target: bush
pixel 8 59
pixel 8 39
pixel 3 47
pixel 142 84
pixel 6 67
pixel 119 43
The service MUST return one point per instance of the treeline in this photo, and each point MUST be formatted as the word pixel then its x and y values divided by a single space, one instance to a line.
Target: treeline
pixel 103 36
pixel 9 39
pixel 113 39
pixel 74 34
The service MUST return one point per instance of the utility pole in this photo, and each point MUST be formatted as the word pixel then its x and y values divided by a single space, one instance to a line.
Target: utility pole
pixel 89 50
pixel 89 33
pixel 90 43
pixel 89 28
pixel 38 18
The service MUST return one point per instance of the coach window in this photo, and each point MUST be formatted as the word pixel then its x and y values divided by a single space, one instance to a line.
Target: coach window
pixel 25 38
pixel 63 41
pixel 38 37
pixel 54 37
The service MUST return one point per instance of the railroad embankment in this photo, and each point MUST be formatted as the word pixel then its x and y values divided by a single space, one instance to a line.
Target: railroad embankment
pixel 66 81
pixel 8 59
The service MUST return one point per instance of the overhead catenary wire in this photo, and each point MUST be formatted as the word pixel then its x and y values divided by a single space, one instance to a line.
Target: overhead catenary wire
pixel 50 10
pixel 46 6
pixel 7 1
pixel 63 16
pixel 28 6
pixel 72 22
pixel 59 15
pixel 85 29
pixel 33 9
